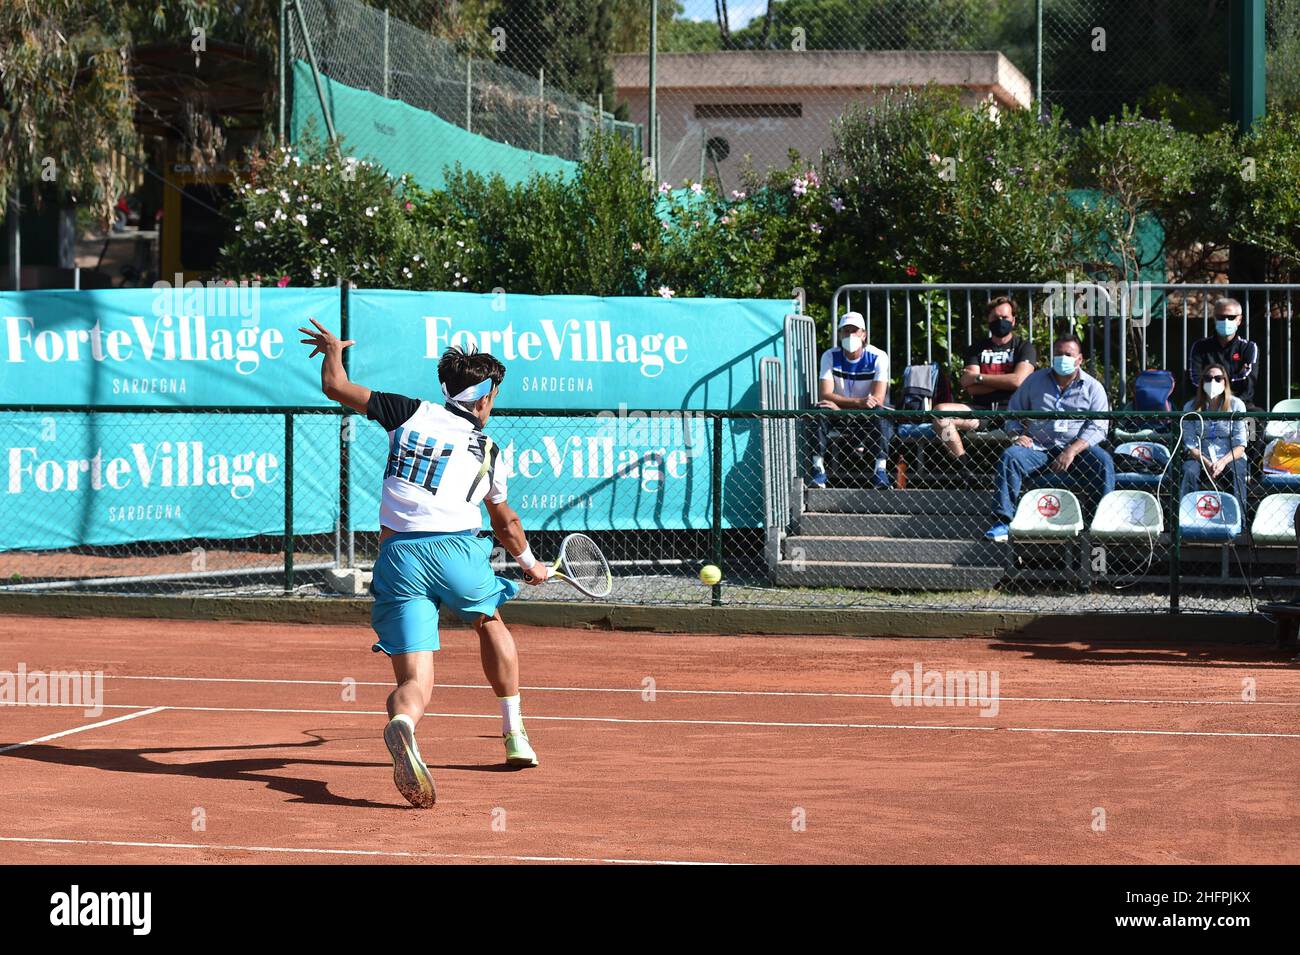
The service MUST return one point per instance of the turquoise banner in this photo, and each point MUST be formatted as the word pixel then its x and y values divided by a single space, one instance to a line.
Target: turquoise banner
pixel 571 351
pixel 201 345
pixel 619 470
pixel 100 479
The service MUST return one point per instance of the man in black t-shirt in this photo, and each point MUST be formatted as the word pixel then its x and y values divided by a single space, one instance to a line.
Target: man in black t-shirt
pixel 1228 350
pixel 994 369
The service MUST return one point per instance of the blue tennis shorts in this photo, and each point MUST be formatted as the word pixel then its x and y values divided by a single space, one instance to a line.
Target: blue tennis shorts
pixel 417 573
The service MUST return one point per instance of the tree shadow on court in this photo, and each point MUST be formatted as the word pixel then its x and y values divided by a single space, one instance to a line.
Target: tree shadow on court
pixel 248 769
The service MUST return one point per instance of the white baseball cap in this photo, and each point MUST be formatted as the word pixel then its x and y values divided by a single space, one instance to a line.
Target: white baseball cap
pixel 852 320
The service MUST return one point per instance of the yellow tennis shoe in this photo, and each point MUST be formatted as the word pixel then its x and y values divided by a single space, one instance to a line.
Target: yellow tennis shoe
pixel 409 772
pixel 519 752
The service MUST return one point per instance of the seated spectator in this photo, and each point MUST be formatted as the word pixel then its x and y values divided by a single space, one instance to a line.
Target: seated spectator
pixel 1226 349
pixel 1068 447
pixel 1214 447
pixel 855 375
pixel 995 367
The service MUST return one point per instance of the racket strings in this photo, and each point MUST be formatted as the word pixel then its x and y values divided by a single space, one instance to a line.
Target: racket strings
pixel 584 564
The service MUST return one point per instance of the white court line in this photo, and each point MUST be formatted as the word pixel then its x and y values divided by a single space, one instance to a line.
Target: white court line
pixel 753 723
pixel 373 853
pixel 639 690
pixel 81 729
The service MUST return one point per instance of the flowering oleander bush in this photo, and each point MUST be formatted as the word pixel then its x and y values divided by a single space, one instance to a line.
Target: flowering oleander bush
pixel 914 187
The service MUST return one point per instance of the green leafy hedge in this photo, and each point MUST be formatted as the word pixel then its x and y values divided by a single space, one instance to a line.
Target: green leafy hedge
pixel 915 187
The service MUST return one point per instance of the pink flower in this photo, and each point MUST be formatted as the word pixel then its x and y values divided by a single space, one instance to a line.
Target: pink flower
pixel 666 292
pixel 284 280
pixel 912 270
pixel 665 188
pixel 408 207
pixel 800 186
pixel 817 228
pixel 726 220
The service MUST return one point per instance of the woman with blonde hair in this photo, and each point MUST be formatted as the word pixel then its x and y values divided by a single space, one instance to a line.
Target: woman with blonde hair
pixel 1214 446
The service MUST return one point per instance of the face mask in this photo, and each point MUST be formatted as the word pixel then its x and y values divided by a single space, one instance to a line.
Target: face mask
pixel 851 343
pixel 1226 326
pixel 1213 388
pixel 999 327
pixel 1063 365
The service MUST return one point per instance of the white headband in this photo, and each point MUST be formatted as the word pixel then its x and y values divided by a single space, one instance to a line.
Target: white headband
pixel 472 393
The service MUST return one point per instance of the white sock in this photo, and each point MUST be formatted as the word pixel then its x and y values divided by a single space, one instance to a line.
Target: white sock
pixel 818 463
pixel 405 719
pixel 511 720
pixel 880 464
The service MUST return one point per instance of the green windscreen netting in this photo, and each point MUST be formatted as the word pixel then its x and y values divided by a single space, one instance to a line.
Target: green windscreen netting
pixel 404 139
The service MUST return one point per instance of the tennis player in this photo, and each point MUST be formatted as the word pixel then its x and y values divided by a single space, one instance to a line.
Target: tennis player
pixel 431 549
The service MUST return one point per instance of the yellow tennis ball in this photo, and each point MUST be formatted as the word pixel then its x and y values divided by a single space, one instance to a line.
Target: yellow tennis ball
pixel 710 574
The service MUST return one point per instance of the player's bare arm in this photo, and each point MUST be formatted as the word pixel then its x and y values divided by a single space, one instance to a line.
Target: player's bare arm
pixel 509 530
pixel 333 376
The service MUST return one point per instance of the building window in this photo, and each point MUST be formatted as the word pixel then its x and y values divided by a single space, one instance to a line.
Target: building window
pixel 748 110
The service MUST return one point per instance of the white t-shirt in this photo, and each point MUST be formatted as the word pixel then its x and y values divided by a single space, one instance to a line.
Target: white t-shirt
pixel 440 466
pixel 855 379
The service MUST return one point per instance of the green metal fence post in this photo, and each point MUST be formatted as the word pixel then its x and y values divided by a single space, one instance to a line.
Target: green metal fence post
pixel 288 503
pixel 1175 557
pixel 347 426
pixel 716 476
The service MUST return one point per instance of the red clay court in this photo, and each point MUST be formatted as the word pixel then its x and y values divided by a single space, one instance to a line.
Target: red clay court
pixel 245 727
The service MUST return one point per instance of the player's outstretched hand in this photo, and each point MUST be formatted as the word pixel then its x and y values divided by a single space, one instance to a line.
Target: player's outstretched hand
pixel 537 574
pixel 322 340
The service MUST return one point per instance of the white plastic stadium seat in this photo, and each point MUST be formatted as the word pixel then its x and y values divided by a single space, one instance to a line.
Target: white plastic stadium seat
pixel 1288 428
pixel 1209 517
pixel 1275 520
pixel 1046 514
pixel 1128 515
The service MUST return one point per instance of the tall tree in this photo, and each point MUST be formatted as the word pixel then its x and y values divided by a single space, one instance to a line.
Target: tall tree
pixel 571 39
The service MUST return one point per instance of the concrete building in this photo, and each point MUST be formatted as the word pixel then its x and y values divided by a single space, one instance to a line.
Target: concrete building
pixel 761 103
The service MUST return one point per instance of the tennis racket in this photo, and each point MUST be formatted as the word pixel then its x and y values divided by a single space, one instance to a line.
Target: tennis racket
pixel 583 566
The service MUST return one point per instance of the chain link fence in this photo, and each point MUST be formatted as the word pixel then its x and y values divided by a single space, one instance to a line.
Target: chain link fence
pixel 194 503
pixel 421 86
pixel 739 85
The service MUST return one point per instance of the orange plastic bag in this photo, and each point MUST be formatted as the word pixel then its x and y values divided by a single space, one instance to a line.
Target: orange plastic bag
pixel 1284 457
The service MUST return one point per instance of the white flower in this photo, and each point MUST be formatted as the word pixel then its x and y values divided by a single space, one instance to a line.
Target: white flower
pixel 259 225
pixel 301 219
pixel 697 188
pixel 737 194
pixel 460 244
pixel 837 204
pixel 457 275
pixel 239 228
pixel 315 207
pixel 370 211
pixel 324 241
pixel 258 192
pixel 800 186
pixel 284 196
pixel 279 214
pixel 666 292
pixel 997 185
pixel 446 265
